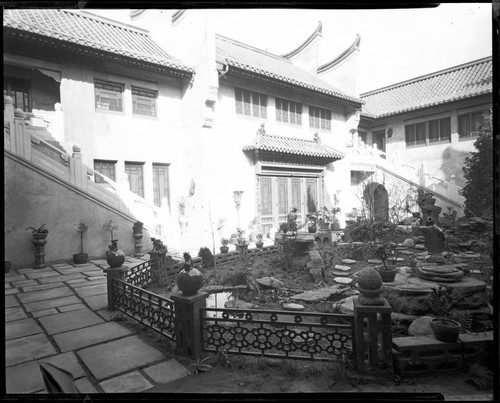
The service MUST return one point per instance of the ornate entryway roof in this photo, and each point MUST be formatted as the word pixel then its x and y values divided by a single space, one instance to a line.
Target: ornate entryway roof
pixel 290 146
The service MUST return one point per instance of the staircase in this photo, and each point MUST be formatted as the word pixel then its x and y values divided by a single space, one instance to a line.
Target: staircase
pixel 447 193
pixel 35 148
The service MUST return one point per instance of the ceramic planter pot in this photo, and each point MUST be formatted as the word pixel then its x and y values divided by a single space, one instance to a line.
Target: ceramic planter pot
pixel 189 281
pixel 312 227
pixel 388 274
pixel 445 329
pixel 115 258
pixel 259 244
pixel 80 258
pixel 224 249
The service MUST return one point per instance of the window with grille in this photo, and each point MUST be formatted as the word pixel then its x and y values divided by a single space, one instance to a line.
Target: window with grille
pixel 288 112
pixel 250 103
pixel 320 118
pixel 439 130
pixel 143 102
pixel 415 134
pixel 135 173
pixel 20 91
pixel 107 168
pixel 469 124
pixel 108 96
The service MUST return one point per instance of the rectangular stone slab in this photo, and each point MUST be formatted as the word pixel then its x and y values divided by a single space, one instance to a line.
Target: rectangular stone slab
pixel 27 348
pixel 66 321
pixel 91 335
pixel 45 294
pixel 21 328
pixel 51 303
pixel 119 356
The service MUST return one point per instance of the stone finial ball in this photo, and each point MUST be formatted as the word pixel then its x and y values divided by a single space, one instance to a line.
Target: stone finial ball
pixel 76 148
pixel 369 279
pixel 19 113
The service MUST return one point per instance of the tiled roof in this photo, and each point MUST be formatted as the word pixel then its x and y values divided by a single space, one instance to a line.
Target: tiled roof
pixel 293 146
pixel 453 84
pixel 237 54
pixel 91 31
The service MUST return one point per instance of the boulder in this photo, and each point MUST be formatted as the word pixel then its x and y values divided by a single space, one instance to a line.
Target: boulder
pixel 323 293
pixel 420 326
pixel 409 243
pixel 270 282
pixel 317 275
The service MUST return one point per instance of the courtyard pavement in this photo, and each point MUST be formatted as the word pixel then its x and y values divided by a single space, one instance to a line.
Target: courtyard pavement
pixel 59 315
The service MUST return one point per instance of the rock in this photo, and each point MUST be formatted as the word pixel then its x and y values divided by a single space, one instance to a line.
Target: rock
pixel 270 282
pixel 409 243
pixel 374 261
pixel 343 280
pixel 348 261
pixel 293 307
pixel 347 304
pixel 469 255
pixel 406 252
pixel 342 268
pixel 405 269
pixel 321 293
pixel 445 273
pixel 434 239
pixel 395 316
pixel 317 275
pixel 436 258
pixel 340 273
pixel 419 246
pixel 238 304
pixel 420 326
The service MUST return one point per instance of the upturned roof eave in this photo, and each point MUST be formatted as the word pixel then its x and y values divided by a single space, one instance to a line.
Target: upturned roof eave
pixel 317 32
pixel 344 55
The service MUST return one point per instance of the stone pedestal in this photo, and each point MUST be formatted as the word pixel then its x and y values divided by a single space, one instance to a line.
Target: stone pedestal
pixel 111 273
pixel 188 333
pixel 39 253
pixel 138 245
pixel 243 251
pixel 158 261
pixel 373 323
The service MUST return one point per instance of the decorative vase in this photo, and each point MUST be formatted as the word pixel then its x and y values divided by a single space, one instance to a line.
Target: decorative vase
pixel 224 249
pixel 388 273
pixel 189 281
pixel 445 329
pixel 311 227
pixel 138 228
pixel 114 256
pixel 259 244
pixel 80 258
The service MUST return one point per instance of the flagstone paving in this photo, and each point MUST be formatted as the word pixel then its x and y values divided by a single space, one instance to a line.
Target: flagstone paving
pixel 59 315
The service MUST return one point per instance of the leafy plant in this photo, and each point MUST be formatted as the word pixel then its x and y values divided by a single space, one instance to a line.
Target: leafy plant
pixel 385 252
pixel 39 230
pixel 479 376
pixel 200 366
pixel 224 241
pixel 110 226
pixel 440 300
pixel 81 229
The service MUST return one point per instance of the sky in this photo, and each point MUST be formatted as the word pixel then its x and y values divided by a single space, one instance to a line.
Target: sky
pixel 396 44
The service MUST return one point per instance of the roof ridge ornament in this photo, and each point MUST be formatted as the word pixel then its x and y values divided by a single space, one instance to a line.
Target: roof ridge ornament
pixel 317 139
pixel 261 130
pixel 317 32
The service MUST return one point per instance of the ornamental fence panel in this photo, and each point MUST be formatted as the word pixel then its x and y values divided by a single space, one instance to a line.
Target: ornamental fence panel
pixel 150 309
pixel 278 334
pixel 140 275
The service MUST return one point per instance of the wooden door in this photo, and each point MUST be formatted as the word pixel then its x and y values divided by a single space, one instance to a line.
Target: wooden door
pixel 135 177
pixel 160 183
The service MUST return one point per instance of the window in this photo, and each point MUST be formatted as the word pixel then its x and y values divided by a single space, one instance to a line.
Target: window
pixel 320 118
pixel 19 90
pixel 135 173
pixel 251 103
pixel 288 112
pixel 470 123
pixel 108 96
pixel 160 183
pixel 415 134
pixel 439 130
pixel 143 102
pixel 107 168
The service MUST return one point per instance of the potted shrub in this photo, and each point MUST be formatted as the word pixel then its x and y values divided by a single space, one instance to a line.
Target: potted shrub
pixel 224 248
pixel 241 236
pixel 443 327
pixel 260 243
pixel 114 256
pixel 80 258
pixel 8 232
pixel 384 252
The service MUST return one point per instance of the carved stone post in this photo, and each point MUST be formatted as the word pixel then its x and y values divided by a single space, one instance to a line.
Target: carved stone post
pixel 158 262
pixel 373 322
pixel 243 251
pixel 78 170
pixel 137 234
pixel 188 335
pixel 111 273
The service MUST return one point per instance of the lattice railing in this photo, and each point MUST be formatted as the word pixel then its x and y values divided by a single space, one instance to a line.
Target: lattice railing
pixel 278 334
pixel 146 307
pixel 140 275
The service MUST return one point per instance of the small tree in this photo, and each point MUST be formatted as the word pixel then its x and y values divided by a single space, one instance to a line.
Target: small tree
pixel 478 172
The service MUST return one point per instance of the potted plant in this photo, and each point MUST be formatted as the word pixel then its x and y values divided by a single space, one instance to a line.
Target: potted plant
pixel 259 243
pixel 80 258
pixel 8 232
pixel 443 327
pixel 189 279
pixel 446 329
pixel 224 248
pixel 241 236
pixel 384 252
pixel 138 228
pixel 39 233
pixel 311 224
pixel 114 256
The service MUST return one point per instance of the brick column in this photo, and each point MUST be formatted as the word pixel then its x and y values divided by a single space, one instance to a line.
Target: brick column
pixel 113 272
pixel 378 323
pixel 188 331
